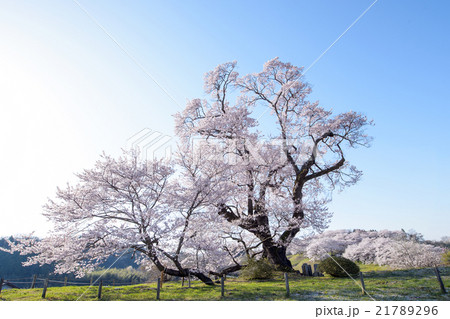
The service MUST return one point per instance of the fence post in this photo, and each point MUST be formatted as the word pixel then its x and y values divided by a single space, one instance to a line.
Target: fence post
pixel 44 291
pixel 162 278
pixel 33 282
pixel 158 288
pixel 100 286
pixel 286 280
pixel 222 285
pixel 90 283
pixel 182 281
pixel 363 286
pixel 1 284
pixel 65 281
pixel 438 275
pixel 189 278
pixel 114 282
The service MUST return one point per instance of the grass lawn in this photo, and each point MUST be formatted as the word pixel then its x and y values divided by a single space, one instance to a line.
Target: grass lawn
pixel 298 260
pixel 420 284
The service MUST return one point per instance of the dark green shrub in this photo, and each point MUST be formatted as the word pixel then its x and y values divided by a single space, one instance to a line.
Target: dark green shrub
pixel 257 269
pixel 333 266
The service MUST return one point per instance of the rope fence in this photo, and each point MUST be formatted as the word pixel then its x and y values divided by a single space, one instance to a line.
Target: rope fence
pixel 31 280
pixel 12 283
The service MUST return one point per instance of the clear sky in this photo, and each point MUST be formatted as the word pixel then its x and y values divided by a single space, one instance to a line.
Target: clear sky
pixel 68 92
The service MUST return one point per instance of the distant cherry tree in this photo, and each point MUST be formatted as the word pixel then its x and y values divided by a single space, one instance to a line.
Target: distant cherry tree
pixel 401 252
pixel 396 249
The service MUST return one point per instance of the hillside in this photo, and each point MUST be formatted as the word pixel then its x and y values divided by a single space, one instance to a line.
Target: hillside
pixel 11 265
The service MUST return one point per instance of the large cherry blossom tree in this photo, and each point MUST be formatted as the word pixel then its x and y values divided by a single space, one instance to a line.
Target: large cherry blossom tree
pixel 235 189
pixel 280 176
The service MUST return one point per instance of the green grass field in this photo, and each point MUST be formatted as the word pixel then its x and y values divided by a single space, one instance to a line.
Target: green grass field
pixel 298 260
pixel 420 284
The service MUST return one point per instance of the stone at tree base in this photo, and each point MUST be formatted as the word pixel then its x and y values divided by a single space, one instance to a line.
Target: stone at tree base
pixel 316 272
pixel 309 270
pixel 306 269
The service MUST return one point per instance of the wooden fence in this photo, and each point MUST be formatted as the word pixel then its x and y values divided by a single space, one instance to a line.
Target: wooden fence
pixel 307 271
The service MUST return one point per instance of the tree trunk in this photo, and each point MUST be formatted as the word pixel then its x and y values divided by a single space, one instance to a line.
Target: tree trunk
pixel 205 279
pixel 180 272
pixel 185 272
pixel 226 271
pixel 277 256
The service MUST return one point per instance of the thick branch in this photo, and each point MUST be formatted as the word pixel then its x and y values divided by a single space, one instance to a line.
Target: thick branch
pixel 325 171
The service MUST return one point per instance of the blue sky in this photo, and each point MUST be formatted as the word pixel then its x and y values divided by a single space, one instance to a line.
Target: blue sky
pixel 67 92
